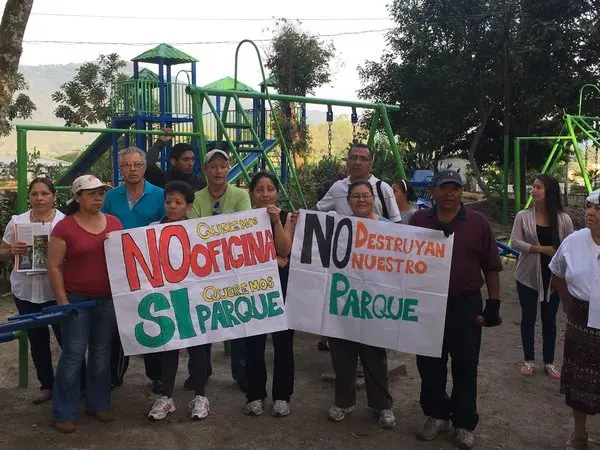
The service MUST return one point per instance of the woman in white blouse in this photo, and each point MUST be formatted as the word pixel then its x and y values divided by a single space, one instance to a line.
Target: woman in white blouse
pixel 31 291
pixel 576 276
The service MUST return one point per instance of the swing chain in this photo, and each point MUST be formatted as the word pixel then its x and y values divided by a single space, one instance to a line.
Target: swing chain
pixel 354 120
pixel 329 137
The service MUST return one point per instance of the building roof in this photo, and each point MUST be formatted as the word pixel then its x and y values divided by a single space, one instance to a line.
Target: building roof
pixel 226 84
pixel 169 54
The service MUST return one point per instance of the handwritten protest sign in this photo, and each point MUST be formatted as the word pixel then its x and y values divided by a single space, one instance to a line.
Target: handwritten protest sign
pixel 369 281
pixel 194 282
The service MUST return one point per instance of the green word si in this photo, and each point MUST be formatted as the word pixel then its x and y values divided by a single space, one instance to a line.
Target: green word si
pixel 223 314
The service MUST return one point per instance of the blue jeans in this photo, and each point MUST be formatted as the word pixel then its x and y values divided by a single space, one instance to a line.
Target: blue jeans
pixel 92 329
pixel 529 304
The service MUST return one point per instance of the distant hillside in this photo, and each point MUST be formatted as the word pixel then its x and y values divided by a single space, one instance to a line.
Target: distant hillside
pixel 43 81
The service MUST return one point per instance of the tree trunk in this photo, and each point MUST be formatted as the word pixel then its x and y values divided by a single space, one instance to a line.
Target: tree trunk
pixel 473 162
pixel 12 29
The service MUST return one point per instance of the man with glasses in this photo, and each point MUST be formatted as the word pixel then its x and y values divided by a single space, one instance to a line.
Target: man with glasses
pixel 136 203
pixel 219 197
pixel 360 164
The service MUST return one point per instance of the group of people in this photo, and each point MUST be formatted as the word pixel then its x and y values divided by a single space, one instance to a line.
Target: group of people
pixel 555 264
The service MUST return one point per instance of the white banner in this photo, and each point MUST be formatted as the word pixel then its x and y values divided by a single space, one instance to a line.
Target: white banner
pixel 196 281
pixel 369 281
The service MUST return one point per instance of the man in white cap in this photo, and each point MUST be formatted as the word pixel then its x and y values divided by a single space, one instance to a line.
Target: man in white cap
pixel 219 197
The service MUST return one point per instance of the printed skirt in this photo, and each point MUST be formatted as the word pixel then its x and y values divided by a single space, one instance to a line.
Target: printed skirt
pixel 580 378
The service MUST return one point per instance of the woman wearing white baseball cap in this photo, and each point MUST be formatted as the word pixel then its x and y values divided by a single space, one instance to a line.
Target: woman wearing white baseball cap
pixel 576 277
pixel 78 273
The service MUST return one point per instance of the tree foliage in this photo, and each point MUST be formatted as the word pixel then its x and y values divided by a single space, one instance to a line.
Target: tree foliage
pixel 12 29
pixel 299 63
pixel 444 66
pixel 86 98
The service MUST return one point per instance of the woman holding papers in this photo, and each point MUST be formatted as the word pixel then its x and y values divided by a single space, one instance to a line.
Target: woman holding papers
pixel 537 234
pixel 344 354
pixel 78 273
pixel 31 289
pixel 576 276
pixel 263 193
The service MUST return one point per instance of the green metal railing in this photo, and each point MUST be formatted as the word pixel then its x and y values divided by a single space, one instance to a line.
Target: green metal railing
pixel 22 131
pixel 142 98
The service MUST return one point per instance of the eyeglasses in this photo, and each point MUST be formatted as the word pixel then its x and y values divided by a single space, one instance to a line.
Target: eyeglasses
pixel 359 158
pixel 216 207
pixel 131 166
pixel 359 196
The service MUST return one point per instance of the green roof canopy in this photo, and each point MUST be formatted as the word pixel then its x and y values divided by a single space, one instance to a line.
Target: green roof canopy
pixel 147 75
pixel 270 82
pixel 226 84
pixel 170 55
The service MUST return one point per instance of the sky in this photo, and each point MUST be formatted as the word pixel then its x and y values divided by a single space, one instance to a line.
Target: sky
pixel 139 25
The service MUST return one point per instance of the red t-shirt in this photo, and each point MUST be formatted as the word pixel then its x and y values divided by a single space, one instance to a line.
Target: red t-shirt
pixel 84 269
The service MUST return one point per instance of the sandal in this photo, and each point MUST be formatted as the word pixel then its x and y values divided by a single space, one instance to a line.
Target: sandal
pixel 552 371
pixel 323 345
pixel 577 443
pixel 528 368
pixel 43 397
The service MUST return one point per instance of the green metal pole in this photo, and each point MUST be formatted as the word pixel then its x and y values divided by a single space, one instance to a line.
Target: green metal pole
pixel 582 167
pixel 289 98
pixel 21 170
pixel 373 130
pixel 517 175
pixel 23 357
pixel 99 130
pixel 199 127
pixel 390 134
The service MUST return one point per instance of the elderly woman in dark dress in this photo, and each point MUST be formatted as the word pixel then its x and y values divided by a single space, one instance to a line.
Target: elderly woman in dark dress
pixel 576 277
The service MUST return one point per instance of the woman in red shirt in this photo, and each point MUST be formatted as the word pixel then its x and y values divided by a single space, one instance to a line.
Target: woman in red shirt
pixel 78 273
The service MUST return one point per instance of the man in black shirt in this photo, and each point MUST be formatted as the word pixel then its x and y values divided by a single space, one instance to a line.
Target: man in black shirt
pixel 182 164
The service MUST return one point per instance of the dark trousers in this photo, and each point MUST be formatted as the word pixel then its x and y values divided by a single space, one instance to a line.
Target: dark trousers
pixel 238 359
pixel 529 303
pixel 209 369
pixel 462 342
pixel 119 363
pixel 344 356
pixel 283 370
pixel 39 342
pixel 198 362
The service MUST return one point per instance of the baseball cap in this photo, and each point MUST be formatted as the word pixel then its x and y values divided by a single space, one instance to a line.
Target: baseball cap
pixel 210 155
pixel 594 197
pixel 447 176
pixel 85 182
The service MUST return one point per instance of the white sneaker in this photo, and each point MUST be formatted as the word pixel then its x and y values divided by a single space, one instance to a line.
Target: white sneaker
pixel 336 413
pixel 463 438
pixel 432 428
pixel 199 407
pixel 161 408
pixel 254 408
pixel 386 418
pixel 281 408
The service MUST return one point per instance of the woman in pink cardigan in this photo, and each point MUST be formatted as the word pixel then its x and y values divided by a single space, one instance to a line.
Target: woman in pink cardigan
pixel 537 233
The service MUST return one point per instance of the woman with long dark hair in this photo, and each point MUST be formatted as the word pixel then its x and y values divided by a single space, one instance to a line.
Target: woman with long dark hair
pixel 31 291
pixel 263 193
pixel 537 234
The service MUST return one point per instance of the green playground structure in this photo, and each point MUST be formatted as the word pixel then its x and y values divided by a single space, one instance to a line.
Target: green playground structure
pixel 226 114
pixel 577 128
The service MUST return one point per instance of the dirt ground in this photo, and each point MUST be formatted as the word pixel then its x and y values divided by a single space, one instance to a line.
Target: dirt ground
pixel 516 412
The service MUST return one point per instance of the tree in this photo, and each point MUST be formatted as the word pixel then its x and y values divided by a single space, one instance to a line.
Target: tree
pixel 299 63
pixel 12 29
pixel 86 98
pixel 444 66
